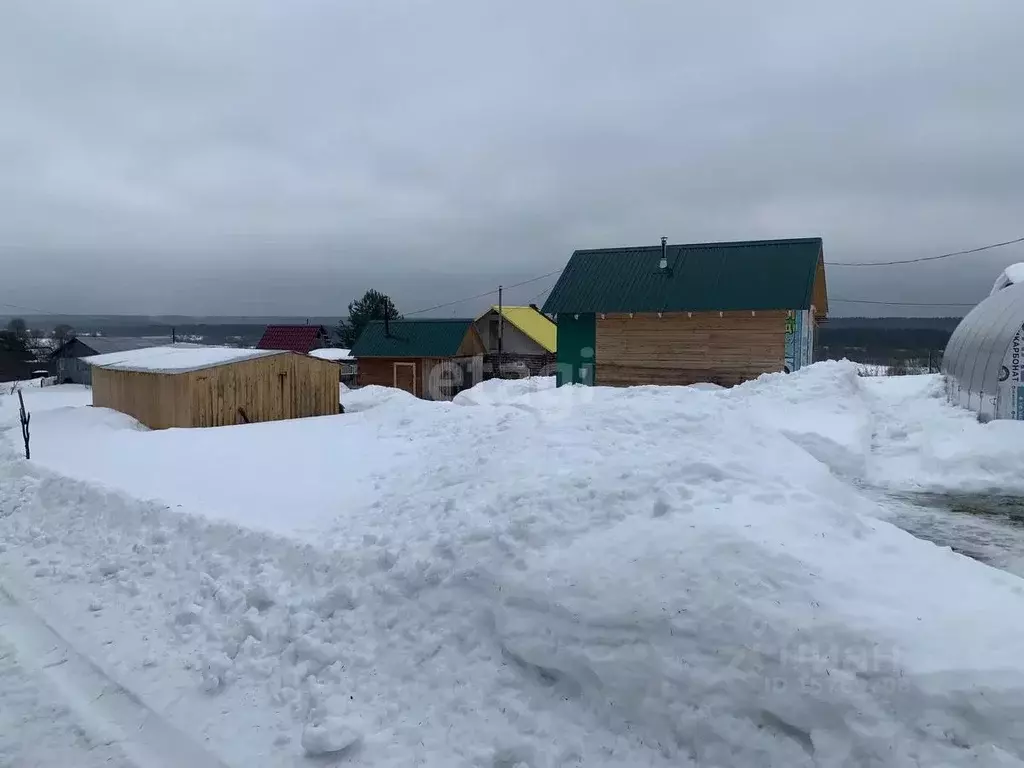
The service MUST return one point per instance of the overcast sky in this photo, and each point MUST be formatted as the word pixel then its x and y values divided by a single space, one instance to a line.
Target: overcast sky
pixel 248 157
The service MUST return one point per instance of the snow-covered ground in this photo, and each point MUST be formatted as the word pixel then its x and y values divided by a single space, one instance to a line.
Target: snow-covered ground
pixel 529 576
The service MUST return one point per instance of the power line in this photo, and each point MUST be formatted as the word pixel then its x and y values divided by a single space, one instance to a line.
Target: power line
pixel 922 258
pixel 545 291
pixel 449 303
pixel 28 309
pixel 480 295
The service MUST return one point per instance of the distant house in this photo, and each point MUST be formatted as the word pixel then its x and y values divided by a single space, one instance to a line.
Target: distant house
pixel 681 314
pixel 430 358
pixel 187 385
pixel 294 338
pixel 344 360
pixel 528 339
pixel 525 331
pixel 68 362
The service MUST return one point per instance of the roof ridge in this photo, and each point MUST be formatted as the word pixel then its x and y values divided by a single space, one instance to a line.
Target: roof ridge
pixel 739 274
pixel 722 244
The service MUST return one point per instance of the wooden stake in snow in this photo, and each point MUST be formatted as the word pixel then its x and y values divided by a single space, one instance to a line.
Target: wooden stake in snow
pixel 25 417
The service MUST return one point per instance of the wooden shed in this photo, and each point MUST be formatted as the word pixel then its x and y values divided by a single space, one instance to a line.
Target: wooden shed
pixel 681 314
pixel 430 358
pixel 194 386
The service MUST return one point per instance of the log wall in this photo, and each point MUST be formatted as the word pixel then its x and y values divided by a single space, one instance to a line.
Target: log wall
pixel 681 349
pixel 380 371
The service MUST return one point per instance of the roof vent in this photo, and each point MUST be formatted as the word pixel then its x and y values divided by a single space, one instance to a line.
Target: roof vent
pixel 663 264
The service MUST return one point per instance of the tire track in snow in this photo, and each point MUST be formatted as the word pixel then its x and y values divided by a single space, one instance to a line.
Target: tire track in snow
pixel 108 711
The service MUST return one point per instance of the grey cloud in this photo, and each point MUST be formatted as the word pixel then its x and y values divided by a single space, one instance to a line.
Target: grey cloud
pixel 237 157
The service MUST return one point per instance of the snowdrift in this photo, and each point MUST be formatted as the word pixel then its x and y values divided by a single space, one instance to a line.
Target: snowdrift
pixel 650 576
pixel 503 391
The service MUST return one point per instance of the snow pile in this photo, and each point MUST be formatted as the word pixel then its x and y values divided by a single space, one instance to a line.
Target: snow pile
pixel 1012 275
pixel 373 396
pixel 38 399
pixel 822 408
pixel 652 576
pixel 923 443
pixel 178 358
pixel 503 391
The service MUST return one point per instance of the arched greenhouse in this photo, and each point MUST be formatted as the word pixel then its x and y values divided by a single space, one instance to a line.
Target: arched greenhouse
pixel 982 364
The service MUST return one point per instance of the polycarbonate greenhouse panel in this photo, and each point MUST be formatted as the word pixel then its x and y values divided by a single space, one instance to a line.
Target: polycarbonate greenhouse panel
pixel 982 363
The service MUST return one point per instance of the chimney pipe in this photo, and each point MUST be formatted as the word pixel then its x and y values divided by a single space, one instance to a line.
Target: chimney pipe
pixel 663 264
pixel 387 323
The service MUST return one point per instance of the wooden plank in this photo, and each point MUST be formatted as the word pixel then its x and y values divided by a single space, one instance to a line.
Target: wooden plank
pixel 212 396
pixel 148 397
pixel 678 348
pixel 819 296
pixel 472 344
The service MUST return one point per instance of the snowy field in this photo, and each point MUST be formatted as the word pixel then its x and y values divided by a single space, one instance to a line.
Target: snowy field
pixel 523 577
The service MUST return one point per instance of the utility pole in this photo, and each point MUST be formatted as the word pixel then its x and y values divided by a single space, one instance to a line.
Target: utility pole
pixel 501 326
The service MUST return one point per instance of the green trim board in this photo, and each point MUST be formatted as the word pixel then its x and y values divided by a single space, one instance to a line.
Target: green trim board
pixel 577 344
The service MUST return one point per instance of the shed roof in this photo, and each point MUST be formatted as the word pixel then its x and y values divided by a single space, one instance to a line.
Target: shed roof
pixel 427 337
pixel 178 358
pixel 531 322
pixel 294 338
pixel 752 274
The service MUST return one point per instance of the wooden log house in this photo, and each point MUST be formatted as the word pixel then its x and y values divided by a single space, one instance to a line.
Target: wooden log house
pixel 681 314
pixel 430 358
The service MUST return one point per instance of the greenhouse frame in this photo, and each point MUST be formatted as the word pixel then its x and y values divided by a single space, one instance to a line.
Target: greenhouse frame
pixel 982 363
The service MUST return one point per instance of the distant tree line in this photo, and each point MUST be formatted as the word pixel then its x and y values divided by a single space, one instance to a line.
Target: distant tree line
pixel 881 345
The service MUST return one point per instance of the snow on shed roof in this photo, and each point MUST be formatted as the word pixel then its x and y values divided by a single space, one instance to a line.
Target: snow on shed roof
pixel 178 358
pixel 332 353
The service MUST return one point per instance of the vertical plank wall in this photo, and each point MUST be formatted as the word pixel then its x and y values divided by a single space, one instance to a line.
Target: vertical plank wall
pixel 681 349
pixel 157 400
pixel 285 386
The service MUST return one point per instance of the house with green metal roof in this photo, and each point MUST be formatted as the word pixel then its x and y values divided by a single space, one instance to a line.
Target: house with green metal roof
pixel 432 358
pixel 682 314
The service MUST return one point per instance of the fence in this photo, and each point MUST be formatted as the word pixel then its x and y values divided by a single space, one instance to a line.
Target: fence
pixel 508 365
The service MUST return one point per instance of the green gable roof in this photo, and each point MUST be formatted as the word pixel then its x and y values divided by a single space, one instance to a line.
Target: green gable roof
pixel 756 274
pixel 412 338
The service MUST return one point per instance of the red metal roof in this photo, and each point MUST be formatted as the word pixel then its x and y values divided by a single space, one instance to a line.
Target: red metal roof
pixel 295 338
